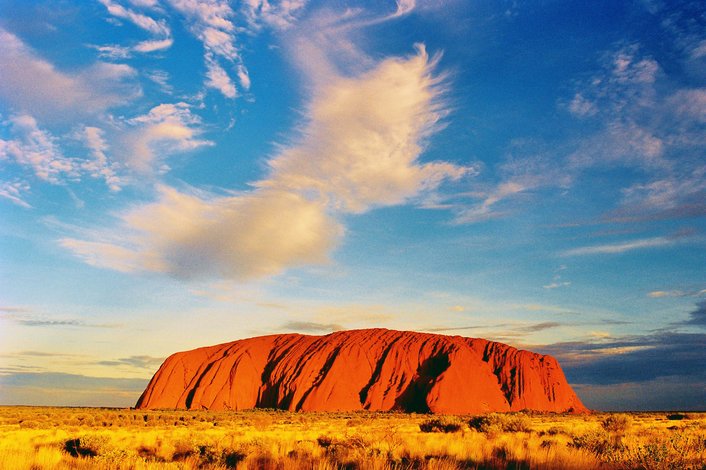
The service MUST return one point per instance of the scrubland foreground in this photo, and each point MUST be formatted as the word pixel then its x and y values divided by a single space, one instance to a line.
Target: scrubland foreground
pixel 82 438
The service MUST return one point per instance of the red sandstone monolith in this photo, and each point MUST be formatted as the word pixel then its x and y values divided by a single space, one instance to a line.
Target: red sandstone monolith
pixel 375 369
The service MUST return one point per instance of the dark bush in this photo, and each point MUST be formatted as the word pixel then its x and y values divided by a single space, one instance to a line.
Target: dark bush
pixel 493 423
pixel 74 449
pixel 439 425
pixel 231 459
pixel 86 446
pixel 324 441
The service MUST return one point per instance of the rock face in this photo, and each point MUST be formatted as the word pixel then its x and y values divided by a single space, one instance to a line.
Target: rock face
pixel 374 369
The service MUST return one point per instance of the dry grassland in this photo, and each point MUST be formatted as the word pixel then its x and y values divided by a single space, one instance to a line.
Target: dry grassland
pixel 81 438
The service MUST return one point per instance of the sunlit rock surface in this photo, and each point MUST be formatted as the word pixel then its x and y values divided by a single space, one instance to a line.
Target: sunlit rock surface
pixel 374 369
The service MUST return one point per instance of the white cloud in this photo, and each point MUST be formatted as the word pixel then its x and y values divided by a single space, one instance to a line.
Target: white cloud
pixel 647 125
pixel 617 248
pixel 485 210
pixel 242 237
pixel 13 191
pixel 161 78
pixel 657 294
pixel 627 68
pixel 145 22
pixel 167 129
pixel 521 176
pixel 210 21
pixel 113 52
pixel 621 144
pixel 157 28
pixel 34 86
pixel 100 167
pixel 699 50
pixel 36 149
pixel 278 14
pixel 404 7
pixel 557 285
pixel 690 103
pixel 243 77
pixel 104 254
pixel 644 124
pixel 365 134
pixel 660 293
pixel 323 46
pixel 145 3
pixel 582 107
pixel 667 193
pixel 154 45
pixel 359 150
pixel 218 78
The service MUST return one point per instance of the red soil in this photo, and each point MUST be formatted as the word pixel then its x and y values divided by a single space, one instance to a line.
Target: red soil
pixel 374 369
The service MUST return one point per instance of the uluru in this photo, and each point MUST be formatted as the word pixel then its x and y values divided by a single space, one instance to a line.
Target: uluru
pixel 372 369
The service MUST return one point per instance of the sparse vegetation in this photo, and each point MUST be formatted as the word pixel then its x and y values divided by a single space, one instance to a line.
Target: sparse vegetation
pixel 66 438
pixel 495 423
pixel 441 425
pixel 617 424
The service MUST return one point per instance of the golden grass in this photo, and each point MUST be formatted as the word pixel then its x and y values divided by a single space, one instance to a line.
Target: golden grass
pixel 80 438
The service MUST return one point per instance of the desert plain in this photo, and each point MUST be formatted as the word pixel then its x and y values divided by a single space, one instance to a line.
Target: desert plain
pixel 102 438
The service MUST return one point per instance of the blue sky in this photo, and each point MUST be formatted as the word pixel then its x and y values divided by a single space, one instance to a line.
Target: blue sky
pixel 179 173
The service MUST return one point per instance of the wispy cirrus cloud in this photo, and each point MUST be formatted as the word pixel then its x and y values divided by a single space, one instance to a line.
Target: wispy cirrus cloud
pixel 678 195
pixel 100 166
pixel 158 28
pixel 150 363
pixel 556 285
pixel 31 319
pixel 310 327
pixel 521 176
pixel 656 294
pixel 143 21
pixel 622 247
pixel 644 123
pixel 211 21
pixel 218 78
pixel 501 331
pixel 14 192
